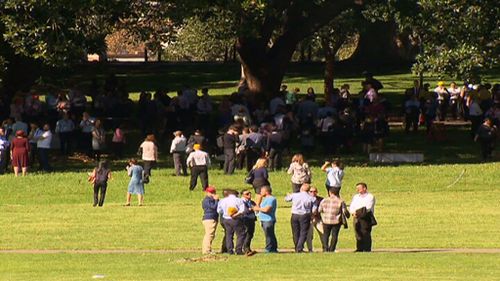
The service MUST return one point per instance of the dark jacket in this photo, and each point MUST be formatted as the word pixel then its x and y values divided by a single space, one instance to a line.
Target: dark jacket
pixel 209 206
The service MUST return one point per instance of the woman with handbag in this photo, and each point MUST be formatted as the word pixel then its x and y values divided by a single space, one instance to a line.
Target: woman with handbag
pixel 300 171
pixel 258 177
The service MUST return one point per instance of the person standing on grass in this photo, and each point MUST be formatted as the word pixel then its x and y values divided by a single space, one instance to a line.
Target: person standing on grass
pixel 98 140
pixel 248 219
pixel 300 171
pixel 35 133
pixel 178 150
pixel 334 175
pixel 316 223
pixel 331 210
pixel 118 141
pixel 230 141
pixel 232 208
pixel 198 161
pixel 136 184
pixel 362 209
pixel 64 129
pixel 267 217
pixel 4 149
pixel 302 209
pixel 259 177
pixel 99 178
pixel 87 126
pixel 19 151
pixel 43 146
pixel 149 152
pixel 210 219
pixel 486 135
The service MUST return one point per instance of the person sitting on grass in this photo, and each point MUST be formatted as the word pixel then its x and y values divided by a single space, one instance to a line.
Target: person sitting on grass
pixel 99 178
pixel 136 184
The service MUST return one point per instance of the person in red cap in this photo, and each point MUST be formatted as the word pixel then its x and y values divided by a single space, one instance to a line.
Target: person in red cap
pixel 210 218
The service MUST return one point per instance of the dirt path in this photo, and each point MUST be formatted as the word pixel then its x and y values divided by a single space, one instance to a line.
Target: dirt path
pixel 183 251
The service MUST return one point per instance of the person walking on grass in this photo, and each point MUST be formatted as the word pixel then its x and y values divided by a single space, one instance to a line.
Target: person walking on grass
pixel 149 151
pixel 178 150
pixel 334 175
pixel 232 208
pixel 302 208
pixel 210 219
pixel 136 184
pixel 300 171
pixel 267 217
pixel 332 211
pixel 99 179
pixel 198 161
pixel 362 209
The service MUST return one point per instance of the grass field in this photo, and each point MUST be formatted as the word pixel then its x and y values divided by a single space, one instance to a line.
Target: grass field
pixel 416 209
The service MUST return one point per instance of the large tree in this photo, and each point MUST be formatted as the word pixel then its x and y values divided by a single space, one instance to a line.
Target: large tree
pixel 459 38
pixel 269 32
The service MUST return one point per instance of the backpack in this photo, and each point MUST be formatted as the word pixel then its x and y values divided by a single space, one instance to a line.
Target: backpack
pixel 101 176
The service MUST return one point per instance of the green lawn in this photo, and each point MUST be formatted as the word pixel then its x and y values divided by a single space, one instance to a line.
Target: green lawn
pixel 416 208
pixel 346 266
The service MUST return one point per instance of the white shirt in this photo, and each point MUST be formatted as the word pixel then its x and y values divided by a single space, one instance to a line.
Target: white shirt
pixel 178 144
pixel 149 151
pixel 362 200
pixel 44 140
pixel 198 158
pixel 230 202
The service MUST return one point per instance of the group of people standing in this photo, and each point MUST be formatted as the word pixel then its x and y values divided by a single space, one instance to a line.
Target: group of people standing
pixel 309 212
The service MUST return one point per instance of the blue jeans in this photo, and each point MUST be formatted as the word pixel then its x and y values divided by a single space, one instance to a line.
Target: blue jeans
pixel 271 242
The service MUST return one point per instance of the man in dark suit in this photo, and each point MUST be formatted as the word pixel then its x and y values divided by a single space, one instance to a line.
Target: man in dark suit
pixel 229 142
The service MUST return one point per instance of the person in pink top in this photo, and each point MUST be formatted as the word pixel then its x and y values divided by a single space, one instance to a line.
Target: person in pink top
pixel 149 152
pixel 118 141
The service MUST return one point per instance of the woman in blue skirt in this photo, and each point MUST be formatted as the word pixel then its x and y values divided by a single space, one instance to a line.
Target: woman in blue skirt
pixel 136 184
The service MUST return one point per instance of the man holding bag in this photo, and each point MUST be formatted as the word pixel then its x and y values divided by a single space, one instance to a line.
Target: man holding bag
pixel 362 209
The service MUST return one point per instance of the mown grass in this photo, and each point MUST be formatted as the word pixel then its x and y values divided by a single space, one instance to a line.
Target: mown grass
pixel 430 266
pixel 415 209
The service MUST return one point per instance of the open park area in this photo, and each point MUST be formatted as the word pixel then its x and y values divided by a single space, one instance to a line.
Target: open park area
pixel 249 140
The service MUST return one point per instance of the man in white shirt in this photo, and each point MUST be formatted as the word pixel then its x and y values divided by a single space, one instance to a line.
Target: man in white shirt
pixel 362 209
pixel 178 148
pixel 198 161
pixel 43 147
pixel 232 208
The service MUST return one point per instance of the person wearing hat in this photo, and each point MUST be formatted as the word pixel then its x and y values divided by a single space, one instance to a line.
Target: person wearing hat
pixel 19 150
pixel 178 148
pixel 210 218
pixel 198 161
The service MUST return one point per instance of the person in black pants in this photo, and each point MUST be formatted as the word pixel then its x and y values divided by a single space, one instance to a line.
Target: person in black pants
pixel 362 208
pixel 198 161
pixel 99 178
pixel 248 219
pixel 302 208
pixel 486 136
pixel 230 141
pixel 274 149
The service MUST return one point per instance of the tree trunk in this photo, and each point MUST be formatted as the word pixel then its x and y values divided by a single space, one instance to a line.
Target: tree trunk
pixel 158 53
pixel 145 54
pixel 378 45
pixel 226 54
pixel 302 52
pixel 264 67
pixel 329 75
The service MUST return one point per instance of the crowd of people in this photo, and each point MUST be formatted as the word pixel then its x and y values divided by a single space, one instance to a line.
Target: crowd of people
pixel 309 213
pixel 238 129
